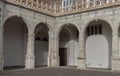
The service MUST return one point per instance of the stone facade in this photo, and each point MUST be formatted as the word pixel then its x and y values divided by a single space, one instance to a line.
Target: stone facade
pixel 55 24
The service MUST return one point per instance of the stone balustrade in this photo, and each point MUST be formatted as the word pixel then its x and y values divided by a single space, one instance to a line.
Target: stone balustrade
pixel 58 10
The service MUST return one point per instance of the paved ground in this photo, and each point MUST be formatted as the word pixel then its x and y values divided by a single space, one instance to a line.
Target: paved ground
pixel 58 72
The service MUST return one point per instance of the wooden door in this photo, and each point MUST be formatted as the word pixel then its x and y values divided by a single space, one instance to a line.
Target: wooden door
pixel 63 56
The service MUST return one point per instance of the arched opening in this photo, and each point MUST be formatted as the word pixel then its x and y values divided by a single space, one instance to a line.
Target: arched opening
pixel 98 45
pixel 14 43
pixel 41 45
pixel 68 44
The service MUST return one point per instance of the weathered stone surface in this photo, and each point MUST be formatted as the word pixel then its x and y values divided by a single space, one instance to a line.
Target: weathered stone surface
pixel 80 20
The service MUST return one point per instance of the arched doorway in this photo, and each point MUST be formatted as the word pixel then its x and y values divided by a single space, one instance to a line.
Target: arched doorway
pixel 14 43
pixel 41 45
pixel 68 41
pixel 98 45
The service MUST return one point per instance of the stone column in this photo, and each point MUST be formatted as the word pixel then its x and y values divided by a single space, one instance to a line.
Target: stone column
pixel 50 54
pixel 53 57
pixel 115 52
pixel 55 53
pixel 1 37
pixel 1 50
pixel 81 53
pixel 30 57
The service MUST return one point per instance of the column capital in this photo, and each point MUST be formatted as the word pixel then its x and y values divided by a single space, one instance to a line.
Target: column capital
pixel 31 34
pixel 30 56
pixel 54 38
pixel 30 61
pixel 115 34
pixel 51 35
pixel 81 35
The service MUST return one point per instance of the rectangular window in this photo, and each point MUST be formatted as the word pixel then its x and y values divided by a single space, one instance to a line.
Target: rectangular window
pixel 64 3
pixel 70 2
pixel 67 2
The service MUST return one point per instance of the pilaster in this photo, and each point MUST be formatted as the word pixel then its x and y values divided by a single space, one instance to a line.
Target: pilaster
pixel 115 52
pixel 50 55
pixel 81 53
pixel 55 54
pixel 30 58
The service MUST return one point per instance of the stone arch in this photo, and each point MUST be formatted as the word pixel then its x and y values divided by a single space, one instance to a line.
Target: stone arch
pixel 41 45
pixel 50 29
pixel 39 24
pixel 14 16
pixel 96 20
pixel 95 31
pixel 68 41
pixel 15 33
pixel 68 31
pixel 59 28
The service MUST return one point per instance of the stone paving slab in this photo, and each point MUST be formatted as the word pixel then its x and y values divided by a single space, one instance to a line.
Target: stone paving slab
pixel 58 72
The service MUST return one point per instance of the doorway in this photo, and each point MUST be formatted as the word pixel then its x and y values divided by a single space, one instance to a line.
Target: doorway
pixel 98 45
pixel 63 56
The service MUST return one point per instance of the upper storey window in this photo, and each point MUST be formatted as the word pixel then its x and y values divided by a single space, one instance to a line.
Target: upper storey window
pixel 66 2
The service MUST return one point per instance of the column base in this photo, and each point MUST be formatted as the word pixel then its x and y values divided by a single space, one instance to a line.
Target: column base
pixel 81 63
pixel 116 64
pixel 55 61
pixel 30 62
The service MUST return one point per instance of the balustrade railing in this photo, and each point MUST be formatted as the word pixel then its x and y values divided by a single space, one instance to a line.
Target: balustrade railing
pixel 58 10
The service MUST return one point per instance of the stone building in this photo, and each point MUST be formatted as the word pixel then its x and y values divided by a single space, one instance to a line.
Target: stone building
pixel 85 34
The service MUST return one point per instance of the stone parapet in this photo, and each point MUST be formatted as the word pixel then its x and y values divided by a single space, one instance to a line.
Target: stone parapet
pixel 56 10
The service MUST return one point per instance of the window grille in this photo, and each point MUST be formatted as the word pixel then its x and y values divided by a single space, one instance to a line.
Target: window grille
pixel 94 30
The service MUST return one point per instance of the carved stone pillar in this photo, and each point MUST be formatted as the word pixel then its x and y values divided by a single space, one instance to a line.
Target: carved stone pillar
pixel 50 54
pixel 115 52
pixel 30 58
pixel 55 53
pixel 81 53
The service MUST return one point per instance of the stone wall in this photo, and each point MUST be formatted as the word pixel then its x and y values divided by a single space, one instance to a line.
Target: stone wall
pixel 79 20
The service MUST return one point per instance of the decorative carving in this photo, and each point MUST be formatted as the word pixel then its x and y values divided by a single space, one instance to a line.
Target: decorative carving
pixel 58 10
